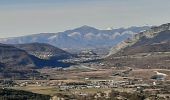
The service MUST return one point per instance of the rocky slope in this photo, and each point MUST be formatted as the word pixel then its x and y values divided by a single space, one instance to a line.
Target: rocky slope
pixel 148 49
pixel 148 35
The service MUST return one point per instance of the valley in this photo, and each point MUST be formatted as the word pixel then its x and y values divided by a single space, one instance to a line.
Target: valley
pixel 137 67
pixel 84 50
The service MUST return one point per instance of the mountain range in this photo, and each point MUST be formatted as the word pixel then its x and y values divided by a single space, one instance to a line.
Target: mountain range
pixel 150 48
pixel 84 37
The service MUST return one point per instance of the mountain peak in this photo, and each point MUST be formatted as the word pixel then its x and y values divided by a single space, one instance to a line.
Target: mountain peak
pixel 86 27
pixel 109 28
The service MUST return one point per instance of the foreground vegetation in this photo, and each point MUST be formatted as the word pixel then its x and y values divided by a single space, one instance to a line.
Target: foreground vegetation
pixel 9 94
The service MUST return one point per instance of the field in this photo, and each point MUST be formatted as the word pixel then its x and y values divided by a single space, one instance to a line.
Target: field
pixel 78 75
pixel 106 74
pixel 39 89
pixel 49 90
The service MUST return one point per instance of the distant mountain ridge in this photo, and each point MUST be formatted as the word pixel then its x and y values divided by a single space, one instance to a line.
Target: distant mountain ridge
pixel 80 38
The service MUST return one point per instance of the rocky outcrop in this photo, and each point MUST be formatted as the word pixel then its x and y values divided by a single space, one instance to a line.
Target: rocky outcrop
pixel 151 33
pixel 148 49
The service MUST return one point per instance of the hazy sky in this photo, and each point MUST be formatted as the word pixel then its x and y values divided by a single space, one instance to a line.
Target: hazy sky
pixel 21 17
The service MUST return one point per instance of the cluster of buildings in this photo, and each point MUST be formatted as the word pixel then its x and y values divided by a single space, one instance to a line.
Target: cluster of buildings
pixel 83 56
pixel 135 84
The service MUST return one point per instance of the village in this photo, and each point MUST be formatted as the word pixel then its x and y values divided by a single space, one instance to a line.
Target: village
pixel 157 85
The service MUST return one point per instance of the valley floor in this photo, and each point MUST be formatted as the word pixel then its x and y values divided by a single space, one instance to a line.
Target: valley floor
pixel 99 83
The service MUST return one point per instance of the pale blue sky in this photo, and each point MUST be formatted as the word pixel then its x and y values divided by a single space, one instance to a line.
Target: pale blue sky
pixel 22 17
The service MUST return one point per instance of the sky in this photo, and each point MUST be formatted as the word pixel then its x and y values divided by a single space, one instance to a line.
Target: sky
pixel 24 17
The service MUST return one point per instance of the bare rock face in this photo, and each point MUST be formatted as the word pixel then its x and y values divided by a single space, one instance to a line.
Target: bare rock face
pixel 148 49
pixel 151 33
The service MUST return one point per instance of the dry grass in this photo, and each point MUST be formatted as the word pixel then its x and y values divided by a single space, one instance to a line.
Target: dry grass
pixel 39 89
pixel 147 73
pixel 90 90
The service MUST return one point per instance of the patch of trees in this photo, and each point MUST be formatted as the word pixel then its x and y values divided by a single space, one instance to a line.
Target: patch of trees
pixel 9 94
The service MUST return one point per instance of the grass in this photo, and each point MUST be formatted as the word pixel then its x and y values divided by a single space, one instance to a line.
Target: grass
pixel 91 90
pixel 39 89
pixel 47 90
